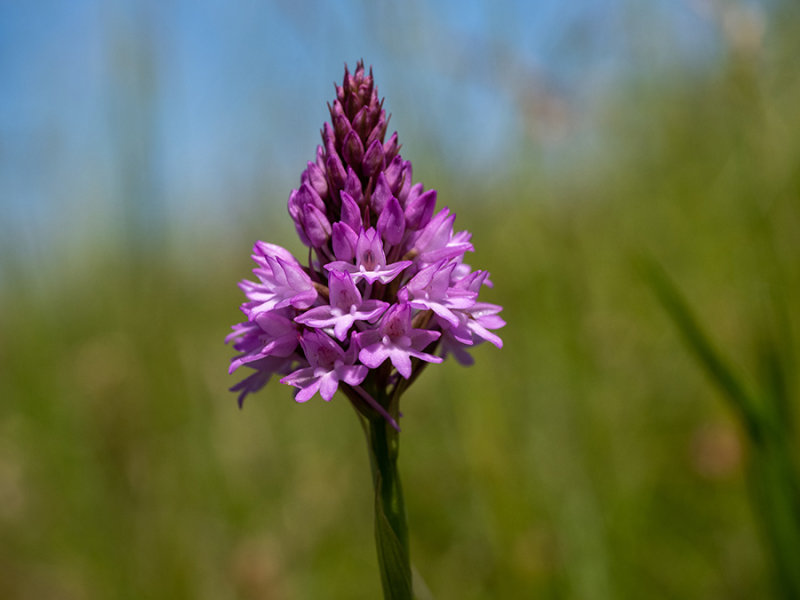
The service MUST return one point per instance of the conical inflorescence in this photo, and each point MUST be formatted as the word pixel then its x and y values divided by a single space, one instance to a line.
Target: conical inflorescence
pixel 384 289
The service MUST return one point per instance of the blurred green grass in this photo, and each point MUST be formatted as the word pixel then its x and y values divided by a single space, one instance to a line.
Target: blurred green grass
pixel 589 458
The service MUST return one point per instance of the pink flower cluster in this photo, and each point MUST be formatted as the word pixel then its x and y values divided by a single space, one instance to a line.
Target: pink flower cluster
pixel 385 289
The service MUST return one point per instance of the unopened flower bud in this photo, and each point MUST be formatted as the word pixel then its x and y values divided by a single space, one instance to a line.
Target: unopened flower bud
pixel 380 195
pixel 392 223
pixel 373 159
pixel 419 210
pixel 351 212
pixel 353 149
pixel 316 225
pixel 352 185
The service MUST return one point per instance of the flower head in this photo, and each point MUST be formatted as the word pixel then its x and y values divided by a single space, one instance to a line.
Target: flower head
pixel 397 286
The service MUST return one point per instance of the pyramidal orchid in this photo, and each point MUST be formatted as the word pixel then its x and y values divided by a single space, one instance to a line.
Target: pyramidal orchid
pixel 383 292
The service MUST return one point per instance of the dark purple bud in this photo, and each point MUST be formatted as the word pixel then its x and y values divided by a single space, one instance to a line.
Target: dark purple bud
pixel 380 195
pixel 298 226
pixel 316 225
pixel 391 148
pixel 415 191
pixel 308 195
pixel 295 208
pixel 392 223
pixel 352 186
pixel 351 213
pixel 344 241
pixel 349 82
pixel 352 104
pixel 394 172
pixel 419 210
pixel 405 184
pixel 367 89
pixel 297 214
pixel 321 158
pixel 378 130
pixel 336 172
pixel 352 149
pixel 373 159
pixel 359 75
pixel 329 138
pixel 374 109
pixel 317 180
pixel 361 122
pixel 341 125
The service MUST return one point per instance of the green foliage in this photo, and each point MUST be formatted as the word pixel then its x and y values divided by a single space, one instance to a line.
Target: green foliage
pixel 773 473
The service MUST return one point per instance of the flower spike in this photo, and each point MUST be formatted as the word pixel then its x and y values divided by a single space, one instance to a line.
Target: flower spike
pixel 398 294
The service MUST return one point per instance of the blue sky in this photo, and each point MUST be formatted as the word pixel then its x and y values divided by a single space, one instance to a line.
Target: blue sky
pixel 196 110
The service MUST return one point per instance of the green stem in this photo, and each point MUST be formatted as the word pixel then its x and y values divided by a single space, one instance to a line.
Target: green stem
pixel 391 531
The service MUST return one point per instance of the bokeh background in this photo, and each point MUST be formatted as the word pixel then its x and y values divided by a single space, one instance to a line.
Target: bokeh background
pixel 144 146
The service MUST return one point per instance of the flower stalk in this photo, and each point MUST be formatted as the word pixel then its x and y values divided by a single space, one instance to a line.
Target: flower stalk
pixel 391 530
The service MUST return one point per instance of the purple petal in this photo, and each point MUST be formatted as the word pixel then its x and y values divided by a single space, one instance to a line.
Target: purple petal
pixel 478 329
pixel 387 273
pixel 373 355
pixel 397 321
pixel 265 369
pixel 329 383
pixel 318 317
pixel 352 374
pixel 401 360
pixel 370 310
pixel 422 338
pixel 491 322
pixel 366 338
pixel 439 309
pixel 342 325
pixel 343 266
pixel 251 384
pixel 343 292
pixel 262 250
pixel 307 390
pixel 320 349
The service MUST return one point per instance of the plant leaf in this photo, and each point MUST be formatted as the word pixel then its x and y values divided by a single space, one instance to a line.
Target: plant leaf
pixel 708 356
